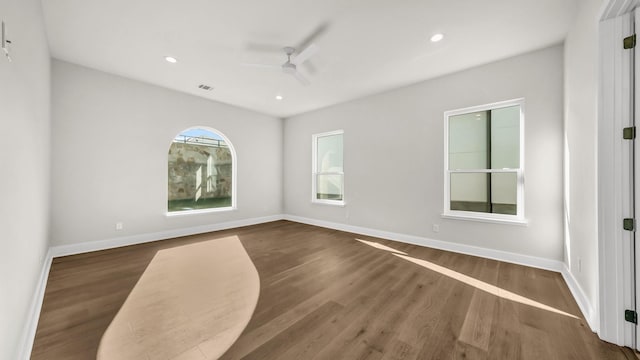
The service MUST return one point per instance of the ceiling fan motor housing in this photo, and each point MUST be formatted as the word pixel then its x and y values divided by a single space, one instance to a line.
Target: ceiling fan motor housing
pixel 289 68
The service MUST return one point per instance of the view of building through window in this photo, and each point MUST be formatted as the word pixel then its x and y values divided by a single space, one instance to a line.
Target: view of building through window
pixel 484 169
pixel 200 165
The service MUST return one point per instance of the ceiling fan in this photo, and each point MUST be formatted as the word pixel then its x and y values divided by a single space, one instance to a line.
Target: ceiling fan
pixel 291 65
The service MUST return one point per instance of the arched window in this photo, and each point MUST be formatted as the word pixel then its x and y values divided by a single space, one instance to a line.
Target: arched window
pixel 202 176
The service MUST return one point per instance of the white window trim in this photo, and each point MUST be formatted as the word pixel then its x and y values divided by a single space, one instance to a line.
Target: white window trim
pixel 234 179
pixel 519 218
pixel 200 211
pixel 314 174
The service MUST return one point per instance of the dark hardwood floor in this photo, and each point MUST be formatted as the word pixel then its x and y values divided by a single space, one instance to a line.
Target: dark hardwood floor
pixel 325 295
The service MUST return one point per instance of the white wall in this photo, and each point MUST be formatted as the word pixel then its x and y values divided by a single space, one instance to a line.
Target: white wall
pixel 580 132
pixel 393 156
pixel 111 136
pixel 24 168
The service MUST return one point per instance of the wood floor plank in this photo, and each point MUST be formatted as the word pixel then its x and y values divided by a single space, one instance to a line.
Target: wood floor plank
pixel 463 350
pixel 374 328
pixel 506 342
pixel 399 350
pixel 303 329
pixel 324 334
pixel 444 333
pixel 476 329
pixel 259 335
pixel 325 295
pixel 536 344
pixel 368 304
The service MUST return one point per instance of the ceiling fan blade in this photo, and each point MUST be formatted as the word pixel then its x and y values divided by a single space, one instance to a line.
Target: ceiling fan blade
pixel 263 66
pixel 303 80
pixel 315 34
pixel 305 54
pixel 311 69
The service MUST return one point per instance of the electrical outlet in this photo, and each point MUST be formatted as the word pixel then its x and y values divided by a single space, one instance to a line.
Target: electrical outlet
pixel 119 226
pixel 436 227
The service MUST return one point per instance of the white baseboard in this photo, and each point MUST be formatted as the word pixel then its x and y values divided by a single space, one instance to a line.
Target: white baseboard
pixel 553 265
pixel 64 250
pixel 505 256
pixel 29 332
pixel 581 298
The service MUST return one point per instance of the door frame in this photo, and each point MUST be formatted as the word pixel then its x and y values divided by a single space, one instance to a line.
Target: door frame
pixel 616 278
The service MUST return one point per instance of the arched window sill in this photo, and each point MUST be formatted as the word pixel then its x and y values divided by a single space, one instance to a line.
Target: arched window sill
pixel 200 211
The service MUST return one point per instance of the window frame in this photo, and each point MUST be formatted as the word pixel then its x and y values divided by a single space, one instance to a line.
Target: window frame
pixel 234 178
pixel 314 167
pixel 519 217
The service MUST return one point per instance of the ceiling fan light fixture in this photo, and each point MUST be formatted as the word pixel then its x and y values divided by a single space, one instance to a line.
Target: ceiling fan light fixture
pixel 171 59
pixel 437 37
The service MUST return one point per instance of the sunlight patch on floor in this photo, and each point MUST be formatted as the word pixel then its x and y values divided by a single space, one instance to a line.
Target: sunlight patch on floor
pixel 481 285
pixel 381 247
pixel 192 302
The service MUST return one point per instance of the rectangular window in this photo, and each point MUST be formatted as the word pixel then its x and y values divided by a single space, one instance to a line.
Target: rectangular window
pixel 484 162
pixel 328 171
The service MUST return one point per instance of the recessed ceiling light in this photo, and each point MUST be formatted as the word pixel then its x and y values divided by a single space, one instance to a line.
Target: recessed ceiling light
pixel 171 59
pixel 437 37
pixel 279 97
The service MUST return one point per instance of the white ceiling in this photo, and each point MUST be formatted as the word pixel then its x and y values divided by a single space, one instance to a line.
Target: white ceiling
pixel 369 46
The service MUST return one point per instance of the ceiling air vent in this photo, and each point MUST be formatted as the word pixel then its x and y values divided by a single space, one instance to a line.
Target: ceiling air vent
pixel 205 87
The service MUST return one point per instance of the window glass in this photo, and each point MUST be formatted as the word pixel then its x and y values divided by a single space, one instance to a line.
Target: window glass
pixel 505 138
pixel 328 174
pixel 468 141
pixel 484 173
pixel 329 186
pixel 504 195
pixel 329 153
